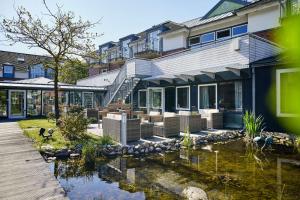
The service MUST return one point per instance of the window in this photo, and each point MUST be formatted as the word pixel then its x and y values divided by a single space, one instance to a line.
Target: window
pixel 223 34
pixel 155 98
pixel 34 102
pixel 230 96
pixel 287 90
pixel 104 55
pixel 75 98
pixel 183 98
pixel 8 71
pixel 125 49
pixel 207 97
pixel 88 99
pixel 142 98
pixel 37 71
pixel 194 41
pixel 239 30
pixel 154 40
pixel 208 37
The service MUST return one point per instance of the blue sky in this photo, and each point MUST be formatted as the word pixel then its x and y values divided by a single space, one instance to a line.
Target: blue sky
pixel 119 17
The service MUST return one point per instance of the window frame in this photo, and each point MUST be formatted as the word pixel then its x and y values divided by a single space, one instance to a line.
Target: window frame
pixel 213 32
pixel 83 99
pixel 189 98
pixel 238 27
pixel 3 71
pixel 216 95
pixel 199 36
pixel 144 90
pixel 278 92
pixel 224 38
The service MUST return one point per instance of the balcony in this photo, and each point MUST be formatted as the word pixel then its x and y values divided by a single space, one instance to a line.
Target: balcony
pixel 148 50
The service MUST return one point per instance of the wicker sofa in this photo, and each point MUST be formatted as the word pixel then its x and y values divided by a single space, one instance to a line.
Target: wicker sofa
pixel 112 128
pixel 187 120
pixel 214 118
pixel 169 127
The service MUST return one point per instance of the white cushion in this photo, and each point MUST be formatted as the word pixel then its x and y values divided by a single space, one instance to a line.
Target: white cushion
pixel 185 113
pixel 154 113
pixel 169 114
pixel 206 112
pixel 114 116
pixel 158 124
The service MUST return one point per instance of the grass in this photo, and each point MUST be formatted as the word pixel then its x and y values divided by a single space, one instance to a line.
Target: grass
pixel 31 129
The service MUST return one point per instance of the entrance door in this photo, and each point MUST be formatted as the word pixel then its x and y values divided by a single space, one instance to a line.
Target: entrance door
pixel 17 104
pixel 3 103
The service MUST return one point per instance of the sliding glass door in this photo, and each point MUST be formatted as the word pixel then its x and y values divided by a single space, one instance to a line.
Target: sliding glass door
pixel 17 104
pixel 207 97
pixel 156 99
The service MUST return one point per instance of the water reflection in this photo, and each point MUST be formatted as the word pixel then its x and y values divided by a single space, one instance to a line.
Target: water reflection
pixel 227 172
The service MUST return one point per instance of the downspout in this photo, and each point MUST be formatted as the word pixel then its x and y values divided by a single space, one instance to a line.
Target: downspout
pixel 253 89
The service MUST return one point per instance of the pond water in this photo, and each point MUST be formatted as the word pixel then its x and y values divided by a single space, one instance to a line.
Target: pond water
pixel 223 171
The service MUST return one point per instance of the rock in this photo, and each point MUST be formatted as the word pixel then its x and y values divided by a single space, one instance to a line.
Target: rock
pixel 194 193
pixel 47 147
pixel 158 149
pixel 63 153
pixel 146 150
pixel 74 155
pixel 151 149
pixel 130 151
pixel 51 159
pixel 136 153
pixel 147 145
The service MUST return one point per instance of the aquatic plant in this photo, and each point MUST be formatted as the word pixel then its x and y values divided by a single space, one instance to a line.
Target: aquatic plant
pixel 105 140
pixel 253 124
pixel 89 154
pixel 187 141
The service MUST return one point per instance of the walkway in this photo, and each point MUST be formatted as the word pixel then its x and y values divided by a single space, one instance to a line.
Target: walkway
pixel 23 172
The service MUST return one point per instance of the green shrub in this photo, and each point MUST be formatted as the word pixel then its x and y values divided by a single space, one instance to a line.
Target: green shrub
pixel 75 109
pixel 74 126
pixel 105 140
pixel 187 141
pixel 253 124
pixel 89 154
pixel 51 116
pixel 93 120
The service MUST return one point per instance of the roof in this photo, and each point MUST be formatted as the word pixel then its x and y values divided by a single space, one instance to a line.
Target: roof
pixel 21 61
pixel 44 83
pixel 255 3
pixel 242 3
pixel 272 60
pixel 101 80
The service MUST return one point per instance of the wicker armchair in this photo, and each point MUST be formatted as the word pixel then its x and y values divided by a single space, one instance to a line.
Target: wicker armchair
pixel 187 120
pixel 214 118
pixel 155 116
pixel 112 128
pixel 170 126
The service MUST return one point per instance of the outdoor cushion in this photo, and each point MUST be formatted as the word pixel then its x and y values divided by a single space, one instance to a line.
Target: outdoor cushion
pixel 185 113
pixel 114 116
pixel 206 112
pixel 159 124
pixel 154 113
pixel 169 114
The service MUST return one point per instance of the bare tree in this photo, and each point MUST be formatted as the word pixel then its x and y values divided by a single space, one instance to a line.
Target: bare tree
pixel 64 37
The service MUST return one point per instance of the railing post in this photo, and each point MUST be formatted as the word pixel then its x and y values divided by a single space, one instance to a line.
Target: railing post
pixel 124 129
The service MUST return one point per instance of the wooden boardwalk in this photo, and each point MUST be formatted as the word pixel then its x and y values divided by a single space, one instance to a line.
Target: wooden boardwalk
pixel 23 172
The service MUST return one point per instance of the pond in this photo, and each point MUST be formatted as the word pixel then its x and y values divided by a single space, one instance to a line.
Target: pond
pixel 223 171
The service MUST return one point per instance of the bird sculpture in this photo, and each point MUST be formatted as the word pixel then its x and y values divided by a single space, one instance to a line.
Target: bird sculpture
pixel 268 142
pixel 259 138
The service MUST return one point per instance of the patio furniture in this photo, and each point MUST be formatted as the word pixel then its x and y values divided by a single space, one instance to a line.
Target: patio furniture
pixel 155 116
pixel 138 113
pixel 92 113
pixel 170 126
pixel 112 127
pixel 214 118
pixel 102 114
pixel 191 121
pixel 146 129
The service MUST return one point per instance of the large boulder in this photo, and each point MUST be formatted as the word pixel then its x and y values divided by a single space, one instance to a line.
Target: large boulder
pixel 194 193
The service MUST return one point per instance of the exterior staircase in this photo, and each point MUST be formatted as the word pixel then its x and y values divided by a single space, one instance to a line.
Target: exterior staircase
pixel 122 86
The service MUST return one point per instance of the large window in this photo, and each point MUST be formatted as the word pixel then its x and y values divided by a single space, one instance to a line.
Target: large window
pixel 34 102
pixel 8 71
pixel 183 98
pixel 75 98
pixel 207 96
pixel 37 71
pixel 287 92
pixel 208 37
pixel 3 103
pixel 230 96
pixel 142 98
pixel 239 30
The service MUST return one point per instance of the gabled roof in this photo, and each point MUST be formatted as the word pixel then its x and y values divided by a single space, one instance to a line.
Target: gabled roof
pixel 39 80
pixel 235 5
pixel 21 61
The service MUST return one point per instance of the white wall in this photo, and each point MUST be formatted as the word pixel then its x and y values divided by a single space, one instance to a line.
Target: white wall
pixel 24 75
pixel 174 41
pixel 264 19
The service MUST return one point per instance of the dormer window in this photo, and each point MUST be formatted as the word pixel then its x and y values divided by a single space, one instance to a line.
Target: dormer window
pixel 8 71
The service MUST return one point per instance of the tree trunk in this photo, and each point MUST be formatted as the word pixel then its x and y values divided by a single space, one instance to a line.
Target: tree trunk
pixel 56 105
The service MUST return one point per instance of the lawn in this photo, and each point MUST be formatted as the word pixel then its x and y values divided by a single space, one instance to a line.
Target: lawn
pixel 31 129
